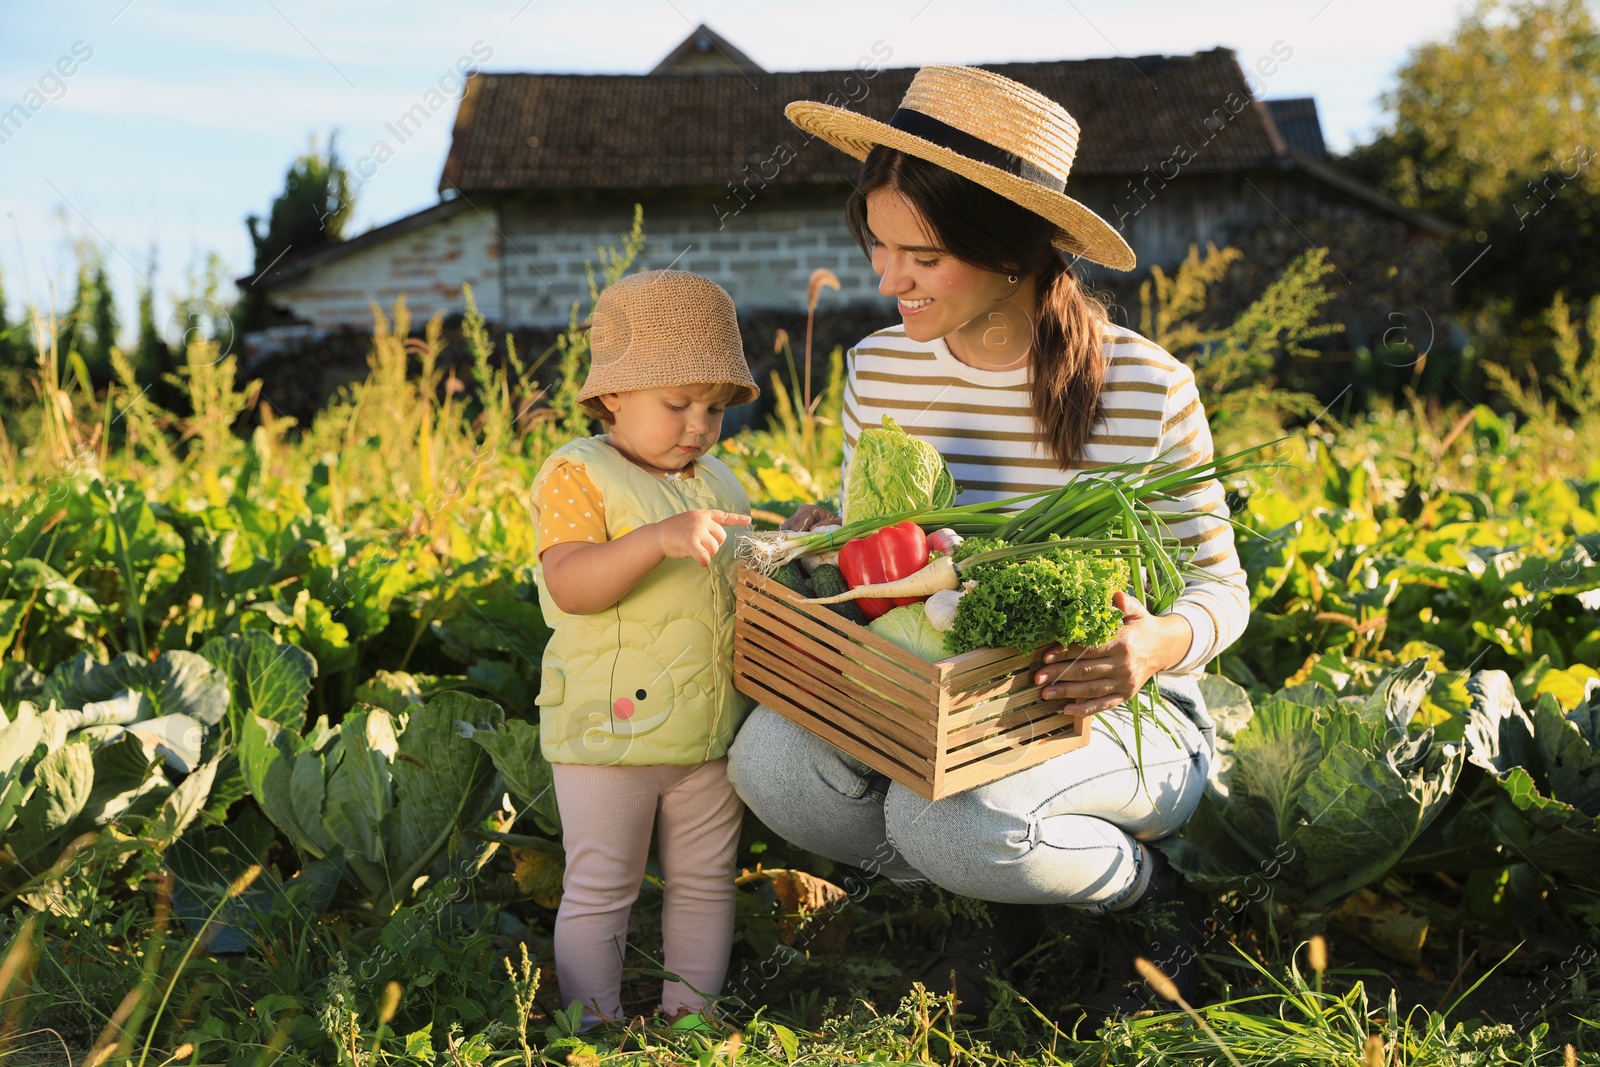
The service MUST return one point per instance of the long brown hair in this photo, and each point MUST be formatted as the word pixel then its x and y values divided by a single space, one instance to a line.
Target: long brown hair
pixel 988 231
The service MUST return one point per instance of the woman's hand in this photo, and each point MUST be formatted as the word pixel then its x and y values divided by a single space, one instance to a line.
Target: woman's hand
pixel 807 516
pixel 1093 680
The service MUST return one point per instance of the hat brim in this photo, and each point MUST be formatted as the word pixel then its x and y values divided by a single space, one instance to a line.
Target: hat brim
pixel 1083 232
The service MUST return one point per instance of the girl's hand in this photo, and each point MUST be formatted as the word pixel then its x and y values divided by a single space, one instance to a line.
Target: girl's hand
pixel 696 534
pixel 1093 680
pixel 807 516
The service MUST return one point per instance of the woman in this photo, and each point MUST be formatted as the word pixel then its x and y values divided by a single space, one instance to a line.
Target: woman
pixel 1008 366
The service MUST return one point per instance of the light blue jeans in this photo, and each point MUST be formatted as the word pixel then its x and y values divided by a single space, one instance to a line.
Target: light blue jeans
pixel 1065 831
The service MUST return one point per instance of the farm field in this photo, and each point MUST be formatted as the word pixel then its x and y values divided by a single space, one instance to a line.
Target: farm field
pixel 270 786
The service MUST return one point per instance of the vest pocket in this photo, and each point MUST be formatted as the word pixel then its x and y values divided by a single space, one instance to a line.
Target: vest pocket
pixel 552 687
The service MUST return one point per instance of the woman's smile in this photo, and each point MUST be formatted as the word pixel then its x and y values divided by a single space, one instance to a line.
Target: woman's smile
pixel 912 307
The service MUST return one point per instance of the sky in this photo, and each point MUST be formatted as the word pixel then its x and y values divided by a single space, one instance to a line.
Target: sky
pixel 177 120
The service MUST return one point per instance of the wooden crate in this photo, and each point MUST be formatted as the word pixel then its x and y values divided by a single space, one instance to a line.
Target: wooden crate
pixel 936 728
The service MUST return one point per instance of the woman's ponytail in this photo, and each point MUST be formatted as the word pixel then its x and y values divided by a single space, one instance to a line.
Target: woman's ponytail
pixel 1068 360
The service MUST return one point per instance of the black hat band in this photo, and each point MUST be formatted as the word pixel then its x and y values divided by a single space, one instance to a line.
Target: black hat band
pixel 974 148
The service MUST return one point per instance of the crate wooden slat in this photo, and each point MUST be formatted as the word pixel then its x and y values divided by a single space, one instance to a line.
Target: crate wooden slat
pixel 807 681
pixel 936 728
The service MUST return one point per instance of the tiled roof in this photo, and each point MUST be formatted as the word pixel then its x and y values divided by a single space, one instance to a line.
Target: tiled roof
pixel 1297 121
pixel 570 131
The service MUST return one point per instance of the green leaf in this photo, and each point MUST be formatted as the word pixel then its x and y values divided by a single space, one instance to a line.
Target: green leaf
pixel 1571 761
pixel 63 782
pixel 488 626
pixel 265 677
pixel 394 691
pixel 442 781
pixel 11 614
pixel 514 748
pixel 318 632
pixel 787 1040
pixel 1274 756
pixel 18 682
pixel 208 859
pixel 177 682
pixel 419 1044
pixel 18 739
pixel 501 681
pixel 1399 694
pixel 271 758
pixel 30 574
pixel 124 770
pixel 358 796
pixel 184 804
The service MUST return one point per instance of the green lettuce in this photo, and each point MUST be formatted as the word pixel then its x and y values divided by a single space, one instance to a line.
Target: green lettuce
pixel 891 471
pixel 1023 603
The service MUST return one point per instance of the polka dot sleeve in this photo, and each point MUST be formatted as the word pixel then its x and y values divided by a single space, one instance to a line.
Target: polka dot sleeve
pixel 570 508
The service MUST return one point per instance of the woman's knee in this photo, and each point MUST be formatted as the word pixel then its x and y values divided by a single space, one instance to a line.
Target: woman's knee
pixel 952 841
pixel 774 761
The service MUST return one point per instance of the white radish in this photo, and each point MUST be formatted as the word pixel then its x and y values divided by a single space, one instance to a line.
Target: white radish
pixel 940 574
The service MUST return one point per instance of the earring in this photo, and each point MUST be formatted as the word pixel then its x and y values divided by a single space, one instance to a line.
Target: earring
pixel 1012 278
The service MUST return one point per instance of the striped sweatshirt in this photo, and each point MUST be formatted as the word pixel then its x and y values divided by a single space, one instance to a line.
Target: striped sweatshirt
pixel 982 423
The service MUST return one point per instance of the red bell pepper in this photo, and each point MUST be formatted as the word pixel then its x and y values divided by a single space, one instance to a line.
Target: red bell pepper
pixel 892 553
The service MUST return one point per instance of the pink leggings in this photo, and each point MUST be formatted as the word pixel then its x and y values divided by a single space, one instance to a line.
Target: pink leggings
pixel 607 814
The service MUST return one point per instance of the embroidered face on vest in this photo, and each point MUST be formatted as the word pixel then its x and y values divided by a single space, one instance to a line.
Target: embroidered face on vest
pixel 649 674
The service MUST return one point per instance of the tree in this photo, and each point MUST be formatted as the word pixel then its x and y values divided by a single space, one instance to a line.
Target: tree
pixel 150 356
pixel 74 326
pixel 1495 129
pixel 102 325
pixel 12 350
pixel 312 210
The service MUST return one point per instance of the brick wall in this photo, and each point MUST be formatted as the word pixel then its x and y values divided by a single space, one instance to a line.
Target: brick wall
pixel 763 256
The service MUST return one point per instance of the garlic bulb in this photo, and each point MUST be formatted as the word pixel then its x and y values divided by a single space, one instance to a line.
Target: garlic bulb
pixel 941 608
pixel 944 542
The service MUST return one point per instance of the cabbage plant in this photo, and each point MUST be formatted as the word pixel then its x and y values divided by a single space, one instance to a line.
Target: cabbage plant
pixel 383 794
pixel 99 745
pixel 1319 795
pixel 1534 796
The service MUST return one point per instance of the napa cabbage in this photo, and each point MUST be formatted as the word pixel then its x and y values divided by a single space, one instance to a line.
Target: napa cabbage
pixel 891 471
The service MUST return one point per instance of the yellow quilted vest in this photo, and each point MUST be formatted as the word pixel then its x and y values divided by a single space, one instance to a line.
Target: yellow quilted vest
pixel 650 679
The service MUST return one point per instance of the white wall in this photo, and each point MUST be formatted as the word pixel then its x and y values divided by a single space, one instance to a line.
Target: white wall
pixel 429 265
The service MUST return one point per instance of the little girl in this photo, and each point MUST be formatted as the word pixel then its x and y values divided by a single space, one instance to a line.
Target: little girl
pixel 637 699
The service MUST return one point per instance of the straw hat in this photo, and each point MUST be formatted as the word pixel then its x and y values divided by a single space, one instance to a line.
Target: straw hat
pixel 1001 134
pixel 663 328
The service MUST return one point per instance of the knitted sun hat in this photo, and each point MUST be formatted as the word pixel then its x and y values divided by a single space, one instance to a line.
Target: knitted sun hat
pixel 662 328
pixel 1001 134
